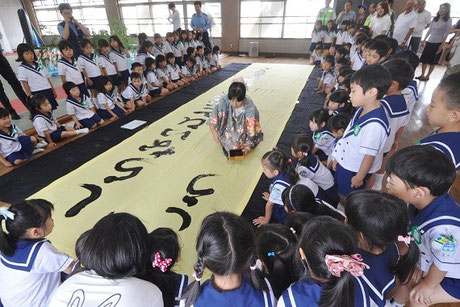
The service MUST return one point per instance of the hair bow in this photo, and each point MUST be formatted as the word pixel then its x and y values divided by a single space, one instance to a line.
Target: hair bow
pixel 353 264
pixel 7 214
pixel 292 230
pixel 161 264
pixel 196 276
pixel 271 254
pixel 305 154
pixel 256 266
pixel 289 160
pixel 405 239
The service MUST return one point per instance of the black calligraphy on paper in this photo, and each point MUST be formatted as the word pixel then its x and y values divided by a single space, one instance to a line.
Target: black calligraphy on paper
pixel 96 192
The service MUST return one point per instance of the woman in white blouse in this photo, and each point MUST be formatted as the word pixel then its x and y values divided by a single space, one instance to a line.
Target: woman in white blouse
pixel 381 23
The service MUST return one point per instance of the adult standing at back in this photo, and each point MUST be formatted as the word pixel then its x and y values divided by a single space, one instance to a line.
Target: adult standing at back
pixel 423 22
pixel 372 13
pixel 201 23
pixel 347 14
pixel 405 24
pixel 326 13
pixel 70 29
pixel 174 17
pixel 437 33
pixel 381 23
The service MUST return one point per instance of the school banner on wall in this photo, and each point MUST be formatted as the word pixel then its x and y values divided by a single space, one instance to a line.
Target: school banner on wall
pixel 172 173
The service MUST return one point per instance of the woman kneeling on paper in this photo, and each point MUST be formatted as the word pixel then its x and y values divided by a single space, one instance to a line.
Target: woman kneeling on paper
pixel 234 121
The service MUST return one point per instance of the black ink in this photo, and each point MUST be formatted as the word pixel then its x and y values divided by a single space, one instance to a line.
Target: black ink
pixel 206 114
pixel 191 200
pixel 167 152
pixel 166 131
pixel 186 218
pixel 96 192
pixel 195 126
pixel 119 167
pixel 185 135
pixel 156 143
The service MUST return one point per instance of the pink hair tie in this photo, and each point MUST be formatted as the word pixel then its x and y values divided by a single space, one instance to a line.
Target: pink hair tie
pixel 161 264
pixel 289 161
pixel 353 264
pixel 405 239
pixel 305 154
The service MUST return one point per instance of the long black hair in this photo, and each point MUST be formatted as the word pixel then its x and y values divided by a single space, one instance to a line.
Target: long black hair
pixel 319 116
pixel 225 245
pixel 303 143
pixel 381 218
pixel 299 198
pixel 31 213
pixel 277 160
pixel 276 248
pixel 145 45
pixel 447 17
pixel 117 39
pixel 297 220
pixel 102 82
pixel 323 236
pixel 340 97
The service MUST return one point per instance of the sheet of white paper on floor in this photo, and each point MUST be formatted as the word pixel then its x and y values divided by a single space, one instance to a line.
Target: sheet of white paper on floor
pixel 134 124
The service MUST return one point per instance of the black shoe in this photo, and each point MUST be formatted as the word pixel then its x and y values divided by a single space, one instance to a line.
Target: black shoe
pixel 14 115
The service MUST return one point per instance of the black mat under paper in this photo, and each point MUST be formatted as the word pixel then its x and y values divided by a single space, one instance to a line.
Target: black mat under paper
pixel 297 123
pixel 37 174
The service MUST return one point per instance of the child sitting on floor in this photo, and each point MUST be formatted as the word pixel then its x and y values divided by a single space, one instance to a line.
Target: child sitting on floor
pixel 109 105
pixel 135 95
pixel 188 70
pixel 154 86
pixel 163 73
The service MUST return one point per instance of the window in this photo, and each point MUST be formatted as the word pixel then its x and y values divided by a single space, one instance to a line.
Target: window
pixel 278 18
pixel 151 16
pixel 90 13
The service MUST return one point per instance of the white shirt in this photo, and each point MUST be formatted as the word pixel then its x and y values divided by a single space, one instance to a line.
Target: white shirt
pixel 215 60
pixel 87 289
pixel 159 49
pixel 403 24
pixel 455 60
pixel 398 116
pixel 358 61
pixel 174 71
pixel 328 37
pixel 410 93
pixel 340 35
pixel 109 100
pixel 188 71
pixel 174 18
pixel 71 71
pixel 44 123
pixel 89 64
pixel 317 36
pixel 168 47
pixel 34 285
pixel 199 63
pixel 36 76
pixel 132 92
pixel 162 74
pixel 177 48
pixel 423 18
pixel 106 62
pixel 119 58
pixel 9 142
pixel 380 24
pixel 318 173
pixel 152 78
pixel 81 109
pixel 140 57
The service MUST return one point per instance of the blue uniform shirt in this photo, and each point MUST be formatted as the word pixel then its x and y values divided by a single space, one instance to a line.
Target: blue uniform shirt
pixel 448 143
pixel 200 21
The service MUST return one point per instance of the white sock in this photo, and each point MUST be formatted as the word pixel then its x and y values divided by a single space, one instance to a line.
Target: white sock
pixel 378 178
pixel 82 131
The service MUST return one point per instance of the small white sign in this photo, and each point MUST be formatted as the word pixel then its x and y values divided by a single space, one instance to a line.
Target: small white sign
pixel 134 124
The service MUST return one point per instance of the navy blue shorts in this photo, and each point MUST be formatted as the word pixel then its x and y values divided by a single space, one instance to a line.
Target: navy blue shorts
pixel 175 81
pixel 83 89
pixel 155 92
pixel 115 79
pixel 343 181
pixel 106 115
pixel 48 93
pixel 24 153
pixel 56 134
pixel 90 122
pixel 179 61
pixel 96 82
pixel 279 213
pixel 451 286
pixel 321 155
pixel 124 75
pixel 332 195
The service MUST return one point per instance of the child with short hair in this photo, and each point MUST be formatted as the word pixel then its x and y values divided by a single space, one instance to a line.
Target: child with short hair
pixel 178 49
pixel 340 53
pixel 215 57
pixel 80 108
pixel 200 60
pixel 339 102
pixel 323 138
pixel 169 42
pixel 45 123
pixel 158 46
pixel 35 79
pixel 377 53
pixel 225 247
pixel 316 56
pixel 207 64
pixel 135 96
pixel 154 86
pixel 327 77
pixel 275 246
pixel 189 70
pixel 332 267
pixel 119 57
pixel 410 92
pixel 317 35
pixel 341 34
pixel 164 250
pixel 89 67
pixel 337 125
pixel 28 260
pixel 444 112
pixel 109 105
pixel 360 151
pixel 279 168
pixel 381 221
pixel 163 73
pixel 190 53
pixel 395 106
pixel 16 147
pixel 174 70
pixel 68 67
pixel 105 63
pixel 422 176
pixel 145 51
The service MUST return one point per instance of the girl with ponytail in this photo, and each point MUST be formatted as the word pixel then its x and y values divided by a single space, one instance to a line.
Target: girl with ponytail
pixel 332 268
pixel 225 247
pixel 382 223
pixel 280 169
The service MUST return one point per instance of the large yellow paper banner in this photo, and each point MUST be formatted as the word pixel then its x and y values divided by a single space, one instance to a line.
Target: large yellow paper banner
pixel 172 174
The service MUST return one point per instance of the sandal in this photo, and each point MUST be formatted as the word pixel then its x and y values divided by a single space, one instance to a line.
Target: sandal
pixel 424 79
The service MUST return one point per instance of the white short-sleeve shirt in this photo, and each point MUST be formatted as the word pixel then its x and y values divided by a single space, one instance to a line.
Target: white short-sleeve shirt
pixel 199 63
pixel 398 116
pixel 81 109
pixel 168 47
pixel 177 48
pixel 30 277
pixel 89 64
pixel 94 290
pixel 106 99
pixel 106 62
pixel 132 92
pixel 70 70
pixel 141 56
pixel 317 172
pixel 175 18
pixel 340 35
pixel 120 59
pixel 403 24
pixel 365 135
pixel 9 142
pixel 159 49
pixel 277 187
pixel 152 78
pixel 324 140
pixel 380 24
pixel 174 71
pixel 423 19
pixel 36 76
pixel 317 36
pixel 162 73
pixel 44 123
pixel 328 37
pixel 188 71
pixel 215 59
pixel 411 95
